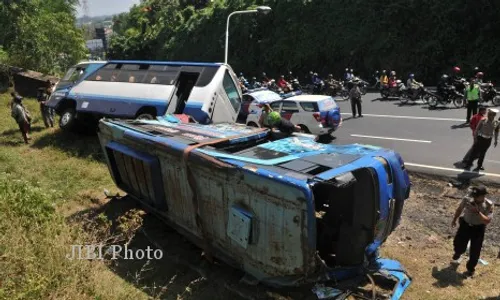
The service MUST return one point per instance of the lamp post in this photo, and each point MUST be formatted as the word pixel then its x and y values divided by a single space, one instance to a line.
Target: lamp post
pixel 261 9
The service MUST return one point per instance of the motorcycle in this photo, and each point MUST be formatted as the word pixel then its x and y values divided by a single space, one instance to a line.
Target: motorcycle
pixel 333 88
pixel 489 93
pixel 272 86
pixel 393 91
pixel 319 87
pixel 363 85
pixel 296 85
pixel 409 95
pixel 450 95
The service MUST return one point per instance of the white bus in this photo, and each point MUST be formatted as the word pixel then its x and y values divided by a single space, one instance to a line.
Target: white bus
pixel 208 92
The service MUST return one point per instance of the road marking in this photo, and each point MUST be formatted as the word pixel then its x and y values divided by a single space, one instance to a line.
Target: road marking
pixel 410 117
pixel 389 138
pixel 451 170
pixel 493 161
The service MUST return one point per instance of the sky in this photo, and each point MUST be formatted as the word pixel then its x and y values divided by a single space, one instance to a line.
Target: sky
pixel 107 7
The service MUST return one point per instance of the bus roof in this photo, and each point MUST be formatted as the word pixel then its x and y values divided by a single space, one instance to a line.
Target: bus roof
pixel 175 63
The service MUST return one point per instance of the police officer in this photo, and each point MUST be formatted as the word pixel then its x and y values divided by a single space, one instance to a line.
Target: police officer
pixel 43 97
pixel 477 213
pixel 472 94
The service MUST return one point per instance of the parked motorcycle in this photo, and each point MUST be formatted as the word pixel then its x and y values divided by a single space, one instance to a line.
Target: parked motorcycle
pixel 450 95
pixel 393 91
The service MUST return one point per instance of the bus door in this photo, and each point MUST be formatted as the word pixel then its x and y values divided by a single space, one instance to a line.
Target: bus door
pixel 183 86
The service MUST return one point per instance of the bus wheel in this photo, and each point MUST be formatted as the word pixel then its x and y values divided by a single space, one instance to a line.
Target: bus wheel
pixel 68 119
pixel 304 129
pixel 145 116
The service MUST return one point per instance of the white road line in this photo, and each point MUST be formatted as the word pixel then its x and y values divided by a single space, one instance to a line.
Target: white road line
pixel 451 169
pixel 493 161
pixel 389 138
pixel 410 117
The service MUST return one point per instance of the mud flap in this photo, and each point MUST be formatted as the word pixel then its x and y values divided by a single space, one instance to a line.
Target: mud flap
pixel 393 270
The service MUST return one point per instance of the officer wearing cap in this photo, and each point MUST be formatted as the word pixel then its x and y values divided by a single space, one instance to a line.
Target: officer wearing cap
pixel 477 213
pixel 485 133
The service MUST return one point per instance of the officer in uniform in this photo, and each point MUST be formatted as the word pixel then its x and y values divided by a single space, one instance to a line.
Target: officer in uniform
pixel 477 213
pixel 472 93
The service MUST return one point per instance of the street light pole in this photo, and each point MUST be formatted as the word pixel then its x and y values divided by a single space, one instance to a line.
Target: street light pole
pixel 260 9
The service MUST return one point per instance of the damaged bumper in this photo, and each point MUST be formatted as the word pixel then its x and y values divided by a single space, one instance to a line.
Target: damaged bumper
pixel 393 270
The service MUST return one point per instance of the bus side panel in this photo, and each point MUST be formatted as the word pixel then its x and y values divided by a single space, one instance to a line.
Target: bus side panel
pixel 119 98
pixel 259 222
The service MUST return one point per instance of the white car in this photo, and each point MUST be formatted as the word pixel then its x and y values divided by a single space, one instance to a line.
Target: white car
pixel 315 114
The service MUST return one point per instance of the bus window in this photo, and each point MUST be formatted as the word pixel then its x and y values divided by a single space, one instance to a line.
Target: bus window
pixel 160 74
pixel 206 76
pixel 232 91
pixel 74 73
pixel 107 73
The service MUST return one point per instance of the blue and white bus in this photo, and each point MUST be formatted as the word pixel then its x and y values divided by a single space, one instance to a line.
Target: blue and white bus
pixel 208 92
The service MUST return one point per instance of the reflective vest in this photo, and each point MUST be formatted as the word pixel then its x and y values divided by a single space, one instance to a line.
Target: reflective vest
pixel 473 95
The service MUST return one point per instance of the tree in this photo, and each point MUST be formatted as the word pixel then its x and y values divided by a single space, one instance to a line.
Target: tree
pixel 425 37
pixel 42 34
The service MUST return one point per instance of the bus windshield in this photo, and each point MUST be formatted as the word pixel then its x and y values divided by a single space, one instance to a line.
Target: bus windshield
pixel 74 73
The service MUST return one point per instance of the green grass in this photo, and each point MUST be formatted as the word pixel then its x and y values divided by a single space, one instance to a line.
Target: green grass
pixel 37 182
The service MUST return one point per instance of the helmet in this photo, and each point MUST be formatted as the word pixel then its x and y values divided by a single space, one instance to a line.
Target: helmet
pixel 412 75
pixel 273 117
pixel 347 69
pixel 479 74
pixel 456 69
pixel 290 73
pixel 311 72
pixel 282 76
pixel 241 74
pixel 444 76
pixel 352 70
pixel 264 73
pixel 315 74
pixel 254 78
pixel 476 69
pixel 376 72
pixel 393 73
pixel 384 71
pixel 330 75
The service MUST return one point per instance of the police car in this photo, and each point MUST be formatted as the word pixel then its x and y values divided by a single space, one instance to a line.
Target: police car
pixel 315 114
pixel 258 96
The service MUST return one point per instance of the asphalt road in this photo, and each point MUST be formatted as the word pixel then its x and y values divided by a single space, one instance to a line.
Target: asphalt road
pixel 430 141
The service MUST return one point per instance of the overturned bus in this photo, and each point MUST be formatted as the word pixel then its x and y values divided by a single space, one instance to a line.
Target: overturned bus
pixel 284 209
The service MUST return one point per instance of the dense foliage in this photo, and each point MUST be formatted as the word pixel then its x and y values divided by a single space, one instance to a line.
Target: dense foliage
pixel 427 37
pixel 40 34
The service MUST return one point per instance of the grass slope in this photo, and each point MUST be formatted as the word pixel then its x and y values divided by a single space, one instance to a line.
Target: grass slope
pixel 36 182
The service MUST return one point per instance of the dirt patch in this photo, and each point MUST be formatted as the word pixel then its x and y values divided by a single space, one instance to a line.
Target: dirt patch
pixel 422 243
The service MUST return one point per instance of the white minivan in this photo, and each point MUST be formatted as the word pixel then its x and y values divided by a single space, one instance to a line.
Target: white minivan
pixel 315 114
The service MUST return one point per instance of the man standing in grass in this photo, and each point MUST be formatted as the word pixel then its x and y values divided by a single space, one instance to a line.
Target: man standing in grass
pixel 477 213
pixel 22 116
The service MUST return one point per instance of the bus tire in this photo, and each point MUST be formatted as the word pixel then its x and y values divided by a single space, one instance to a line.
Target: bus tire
pixel 145 117
pixel 304 129
pixel 67 121
pixel 146 113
